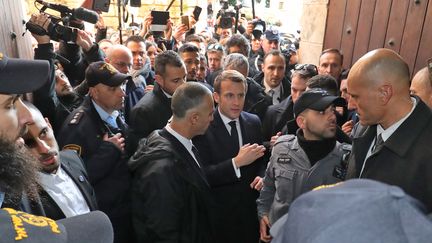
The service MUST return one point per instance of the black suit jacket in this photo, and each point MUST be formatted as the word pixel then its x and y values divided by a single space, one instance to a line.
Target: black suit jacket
pixel 236 209
pixel 277 117
pixel 73 166
pixel 151 113
pixel 405 158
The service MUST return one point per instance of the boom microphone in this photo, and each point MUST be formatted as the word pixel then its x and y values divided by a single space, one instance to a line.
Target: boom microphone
pixel 78 13
pixel 86 15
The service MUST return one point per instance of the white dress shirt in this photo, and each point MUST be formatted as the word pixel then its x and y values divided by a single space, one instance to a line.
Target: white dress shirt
pixel 64 192
pixel 226 122
pixel 187 143
pixel 386 133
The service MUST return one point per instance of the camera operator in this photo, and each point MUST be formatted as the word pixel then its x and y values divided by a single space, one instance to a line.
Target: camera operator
pixel 56 99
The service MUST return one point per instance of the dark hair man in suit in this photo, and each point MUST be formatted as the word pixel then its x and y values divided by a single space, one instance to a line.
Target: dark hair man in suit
pixel 231 153
pixel 330 63
pixel 66 189
pixel 154 109
pixel 170 194
pixel 394 146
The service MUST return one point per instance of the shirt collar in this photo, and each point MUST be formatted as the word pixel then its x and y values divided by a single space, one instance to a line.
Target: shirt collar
pixel 103 114
pixel 268 88
pixel 385 134
pixel 225 119
pixel 187 143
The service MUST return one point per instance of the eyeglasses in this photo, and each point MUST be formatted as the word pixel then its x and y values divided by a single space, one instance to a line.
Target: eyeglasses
pixel 216 47
pixel 309 68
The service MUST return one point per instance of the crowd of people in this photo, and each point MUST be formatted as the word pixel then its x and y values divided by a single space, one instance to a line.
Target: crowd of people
pixel 189 135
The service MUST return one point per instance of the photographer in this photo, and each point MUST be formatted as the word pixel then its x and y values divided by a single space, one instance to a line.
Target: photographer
pixel 56 99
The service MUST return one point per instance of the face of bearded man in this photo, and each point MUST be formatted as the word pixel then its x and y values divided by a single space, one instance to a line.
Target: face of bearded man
pixel 18 172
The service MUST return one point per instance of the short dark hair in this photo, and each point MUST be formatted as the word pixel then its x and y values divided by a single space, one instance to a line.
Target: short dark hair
pixel 325 82
pixel 194 38
pixel 134 38
pixel 150 44
pixel 232 75
pixel 166 58
pixel 274 53
pixel 240 41
pixel 332 50
pixel 344 74
pixel 187 47
pixel 188 96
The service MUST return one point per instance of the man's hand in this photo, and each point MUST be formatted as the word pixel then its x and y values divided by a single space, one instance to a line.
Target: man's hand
pixel 257 183
pixel 101 23
pixel 43 21
pixel 84 40
pixel 264 226
pixel 248 154
pixel 347 127
pixel 274 138
pixel 117 140
pixel 179 31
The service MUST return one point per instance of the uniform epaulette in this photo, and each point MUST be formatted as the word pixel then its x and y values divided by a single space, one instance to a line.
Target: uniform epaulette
pixel 77 117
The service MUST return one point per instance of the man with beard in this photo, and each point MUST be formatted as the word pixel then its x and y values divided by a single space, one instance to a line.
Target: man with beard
pixel 66 189
pixel 56 99
pixel 17 169
pixel 302 162
pixel 96 131
pixel 141 67
pixel 189 53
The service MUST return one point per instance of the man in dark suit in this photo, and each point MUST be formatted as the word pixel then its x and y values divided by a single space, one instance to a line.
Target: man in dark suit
pixel 272 78
pixel 96 131
pixel 394 146
pixel 231 159
pixel 170 194
pixel 66 189
pixel 154 109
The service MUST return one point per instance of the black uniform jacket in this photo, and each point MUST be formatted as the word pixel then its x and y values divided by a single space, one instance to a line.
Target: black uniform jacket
pixel 106 165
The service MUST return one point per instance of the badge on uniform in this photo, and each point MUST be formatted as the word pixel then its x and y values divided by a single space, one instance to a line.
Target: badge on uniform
pixel 284 159
pixel 73 147
pixel 77 117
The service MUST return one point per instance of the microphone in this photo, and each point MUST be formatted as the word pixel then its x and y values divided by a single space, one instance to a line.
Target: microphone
pixel 78 13
pixel 86 15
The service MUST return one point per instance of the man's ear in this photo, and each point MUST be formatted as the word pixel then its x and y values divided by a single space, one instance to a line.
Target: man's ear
pixel 385 93
pixel 216 97
pixel 301 122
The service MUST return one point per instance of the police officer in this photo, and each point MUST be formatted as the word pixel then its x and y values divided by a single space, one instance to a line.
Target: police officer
pixel 302 162
pixel 96 131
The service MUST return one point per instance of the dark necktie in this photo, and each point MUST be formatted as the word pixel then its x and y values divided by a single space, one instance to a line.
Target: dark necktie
pixel 379 142
pixel 197 157
pixel 234 135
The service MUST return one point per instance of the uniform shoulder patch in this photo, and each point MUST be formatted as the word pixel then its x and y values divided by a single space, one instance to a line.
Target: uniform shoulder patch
pixel 77 117
pixel 73 147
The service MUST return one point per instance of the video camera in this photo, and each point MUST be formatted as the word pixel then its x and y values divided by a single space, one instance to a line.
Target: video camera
pixel 259 28
pixel 56 31
pixel 226 15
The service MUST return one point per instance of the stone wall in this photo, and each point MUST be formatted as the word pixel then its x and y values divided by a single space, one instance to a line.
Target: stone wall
pixel 313 23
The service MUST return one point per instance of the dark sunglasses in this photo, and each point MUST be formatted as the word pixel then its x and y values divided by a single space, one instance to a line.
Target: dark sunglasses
pixel 309 68
pixel 216 46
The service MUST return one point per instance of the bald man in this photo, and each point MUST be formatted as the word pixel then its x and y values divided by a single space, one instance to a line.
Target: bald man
pixel 121 58
pixel 394 144
pixel 421 85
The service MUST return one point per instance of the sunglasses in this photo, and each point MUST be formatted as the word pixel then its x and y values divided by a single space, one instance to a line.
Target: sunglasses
pixel 309 68
pixel 216 47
